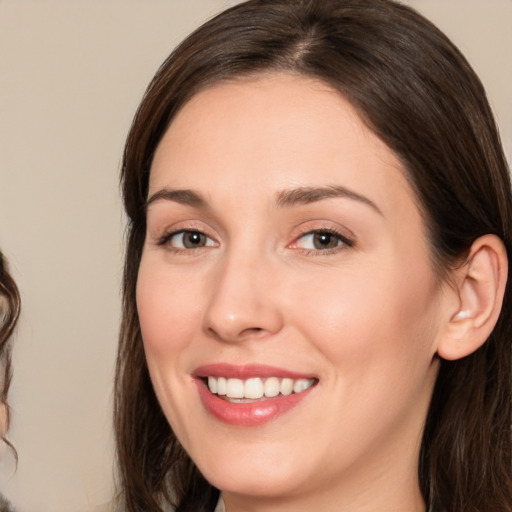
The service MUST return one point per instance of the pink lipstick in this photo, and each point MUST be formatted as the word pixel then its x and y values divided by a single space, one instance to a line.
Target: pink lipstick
pixel 250 395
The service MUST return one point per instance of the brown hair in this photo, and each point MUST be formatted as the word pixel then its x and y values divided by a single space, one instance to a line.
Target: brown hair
pixel 9 313
pixel 416 91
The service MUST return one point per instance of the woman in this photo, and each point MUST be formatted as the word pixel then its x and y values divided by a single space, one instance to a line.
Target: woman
pixel 9 312
pixel 316 308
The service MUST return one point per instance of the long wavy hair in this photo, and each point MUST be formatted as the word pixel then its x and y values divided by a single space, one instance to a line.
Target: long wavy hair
pixel 9 312
pixel 419 95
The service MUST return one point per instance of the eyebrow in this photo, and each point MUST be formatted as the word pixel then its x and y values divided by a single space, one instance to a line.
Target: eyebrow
pixel 307 195
pixel 186 197
pixel 285 199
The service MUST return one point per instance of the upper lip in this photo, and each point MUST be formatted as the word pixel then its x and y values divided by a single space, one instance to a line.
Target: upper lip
pixel 247 371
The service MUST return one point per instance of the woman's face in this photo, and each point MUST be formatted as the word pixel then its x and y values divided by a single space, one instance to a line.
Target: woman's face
pixel 285 249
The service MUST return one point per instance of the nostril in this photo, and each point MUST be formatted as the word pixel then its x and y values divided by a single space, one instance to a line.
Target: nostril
pixel 251 332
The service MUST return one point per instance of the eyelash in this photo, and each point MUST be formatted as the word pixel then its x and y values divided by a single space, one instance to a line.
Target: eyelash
pixel 344 242
pixel 167 237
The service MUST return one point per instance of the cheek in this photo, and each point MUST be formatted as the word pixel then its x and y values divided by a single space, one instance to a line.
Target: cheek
pixel 168 309
pixel 375 333
pixel 168 315
pixel 384 316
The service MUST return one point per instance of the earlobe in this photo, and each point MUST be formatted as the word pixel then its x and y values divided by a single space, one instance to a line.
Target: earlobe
pixel 480 284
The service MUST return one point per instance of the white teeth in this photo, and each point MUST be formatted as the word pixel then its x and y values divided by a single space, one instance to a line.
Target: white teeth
pixel 221 386
pixel 301 385
pixel 272 387
pixel 286 387
pixel 212 384
pixel 256 388
pixel 253 388
pixel 235 388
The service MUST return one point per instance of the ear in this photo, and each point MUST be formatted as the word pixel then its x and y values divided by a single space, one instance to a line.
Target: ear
pixel 479 288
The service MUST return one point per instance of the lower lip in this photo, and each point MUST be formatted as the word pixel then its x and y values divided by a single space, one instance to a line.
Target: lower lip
pixel 248 414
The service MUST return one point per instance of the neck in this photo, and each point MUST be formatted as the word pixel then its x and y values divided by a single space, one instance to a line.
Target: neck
pixel 369 500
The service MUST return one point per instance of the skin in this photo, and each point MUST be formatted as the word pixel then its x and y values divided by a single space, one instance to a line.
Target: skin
pixel 365 316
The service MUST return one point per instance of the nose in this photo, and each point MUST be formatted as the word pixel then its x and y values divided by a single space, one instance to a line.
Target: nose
pixel 241 303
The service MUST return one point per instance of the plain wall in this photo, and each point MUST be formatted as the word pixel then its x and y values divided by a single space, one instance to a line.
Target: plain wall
pixel 71 75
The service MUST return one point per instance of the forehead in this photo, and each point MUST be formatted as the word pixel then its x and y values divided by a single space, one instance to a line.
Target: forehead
pixel 275 132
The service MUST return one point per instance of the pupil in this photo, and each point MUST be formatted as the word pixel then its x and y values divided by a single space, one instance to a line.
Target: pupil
pixel 324 241
pixel 194 239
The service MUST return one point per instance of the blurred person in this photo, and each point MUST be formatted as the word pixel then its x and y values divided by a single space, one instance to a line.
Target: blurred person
pixel 9 313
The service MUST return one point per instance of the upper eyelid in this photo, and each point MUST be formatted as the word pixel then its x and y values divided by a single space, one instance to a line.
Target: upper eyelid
pixel 169 234
pixel 165 228
pixel 316 226
pixel 346 240
pixel 334 231
pixel 216 234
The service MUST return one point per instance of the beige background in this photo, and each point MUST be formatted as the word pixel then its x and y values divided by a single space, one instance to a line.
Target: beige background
pixel 71 75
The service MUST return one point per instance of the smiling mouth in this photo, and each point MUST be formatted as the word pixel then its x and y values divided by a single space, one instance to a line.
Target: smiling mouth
pixel 251 395
pixel 256 388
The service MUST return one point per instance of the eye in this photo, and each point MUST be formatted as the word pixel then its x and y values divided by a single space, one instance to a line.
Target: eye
pixel 188 240
pixel 321 240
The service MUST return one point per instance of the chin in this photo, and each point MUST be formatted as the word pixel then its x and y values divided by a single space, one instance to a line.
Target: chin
pixel 260 485
pixel 263 477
